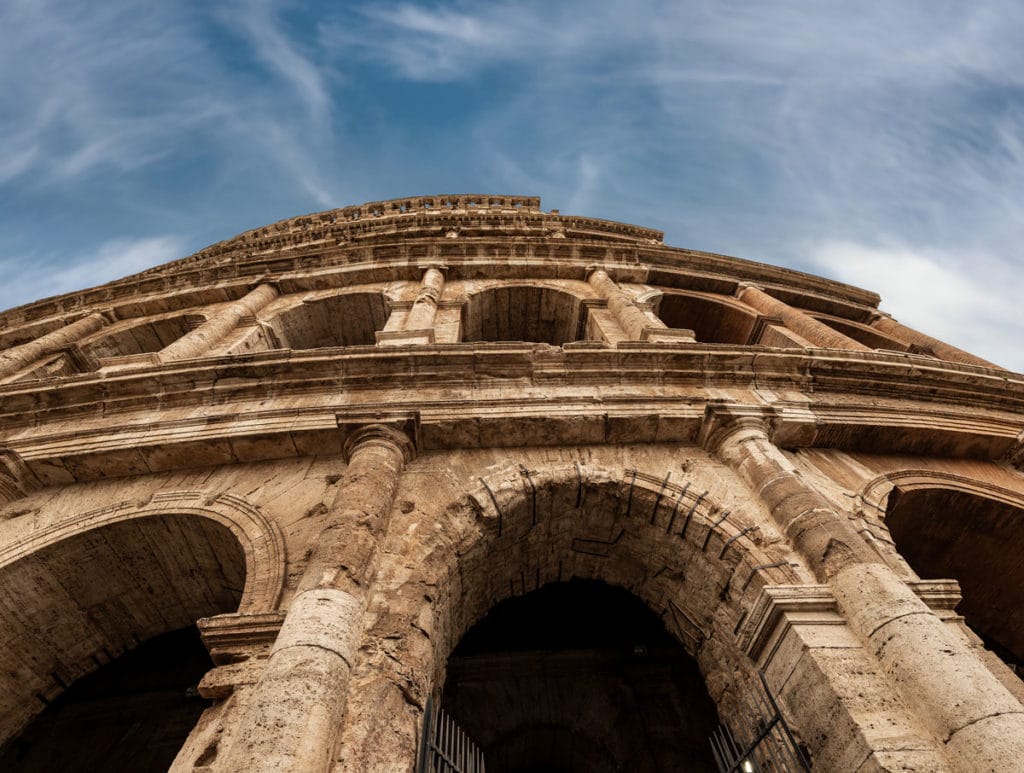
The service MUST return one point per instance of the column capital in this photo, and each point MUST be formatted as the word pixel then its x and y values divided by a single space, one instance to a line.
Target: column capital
pixel 723 419
pixel 1016 453
pixel 878 314
pixel 394 430
pixel 16 479
pixel 741 286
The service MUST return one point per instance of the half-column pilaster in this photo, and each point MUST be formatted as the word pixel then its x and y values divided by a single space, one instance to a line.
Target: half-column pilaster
pixel 968 712
pixel 925 343
pixel 19 357
pixel 418 325
pixel 634 322
pixel 800 323
pixel 199 341
pixel 297 706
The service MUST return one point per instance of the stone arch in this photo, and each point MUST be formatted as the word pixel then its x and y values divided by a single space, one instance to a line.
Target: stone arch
pixel 950 526
pixel 696 566
pixel 350 318
pixel 141 336
pixel 714 319
pixel 260 537
pixel 100 584
pixel 524 311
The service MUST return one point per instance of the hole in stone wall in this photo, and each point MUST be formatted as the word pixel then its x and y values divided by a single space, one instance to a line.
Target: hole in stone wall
pixel 133 714
pixel 712 321
pixel 534 314
pixel 150 336
pixel 88 606
pixel 579 676
pixel 863 334
pixel 340 320
pixel 976 541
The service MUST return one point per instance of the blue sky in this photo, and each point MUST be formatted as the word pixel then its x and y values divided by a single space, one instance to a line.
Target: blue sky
pixel 880 143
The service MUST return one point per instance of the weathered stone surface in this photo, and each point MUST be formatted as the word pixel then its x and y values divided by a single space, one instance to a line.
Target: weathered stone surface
pixel 340 440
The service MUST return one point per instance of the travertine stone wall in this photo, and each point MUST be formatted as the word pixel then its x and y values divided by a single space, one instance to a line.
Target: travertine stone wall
pixel 343 438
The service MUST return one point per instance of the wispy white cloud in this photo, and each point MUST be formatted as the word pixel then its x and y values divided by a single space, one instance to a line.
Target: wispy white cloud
pixel 85 87
pixel 259 21
pixel 969 300
pixel 43 275
pixel 115 88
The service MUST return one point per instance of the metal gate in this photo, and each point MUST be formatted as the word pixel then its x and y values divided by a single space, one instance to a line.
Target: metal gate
pixel 764 745
pixel 445 747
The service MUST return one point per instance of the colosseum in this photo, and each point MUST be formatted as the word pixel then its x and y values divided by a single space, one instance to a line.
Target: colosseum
pixel 440 483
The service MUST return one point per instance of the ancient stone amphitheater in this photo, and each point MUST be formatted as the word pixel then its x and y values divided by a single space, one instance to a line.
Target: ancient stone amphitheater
pixel 453 480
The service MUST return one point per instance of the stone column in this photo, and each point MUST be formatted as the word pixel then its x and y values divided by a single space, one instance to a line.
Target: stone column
pixel 634 323
pixel 943 351
pixel 418 325
pixel 421 316
pixel 800 323
pixel 199 341
pixel 299 701
pixel 969 713
pixel 18 357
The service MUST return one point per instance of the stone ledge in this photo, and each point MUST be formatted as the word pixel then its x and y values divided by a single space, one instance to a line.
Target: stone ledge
pixel 235 637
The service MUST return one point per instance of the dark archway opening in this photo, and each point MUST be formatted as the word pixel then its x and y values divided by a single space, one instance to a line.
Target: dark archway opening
pixel 534 314
pixel 100 628
pixel 579 676
pixel 146 336
pixel 712 321
pixel 863 334
pixel 131 715
pixel 351 319
pixel 977 541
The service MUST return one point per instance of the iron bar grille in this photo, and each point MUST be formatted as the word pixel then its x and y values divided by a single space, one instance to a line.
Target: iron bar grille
pixel 764 744
pixel 445 747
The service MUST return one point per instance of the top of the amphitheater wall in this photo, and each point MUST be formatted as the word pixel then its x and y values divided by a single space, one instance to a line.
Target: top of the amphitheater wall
pixel 267 250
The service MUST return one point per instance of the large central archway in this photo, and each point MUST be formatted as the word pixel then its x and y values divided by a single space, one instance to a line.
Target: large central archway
pixel 666 545
pixel 579 677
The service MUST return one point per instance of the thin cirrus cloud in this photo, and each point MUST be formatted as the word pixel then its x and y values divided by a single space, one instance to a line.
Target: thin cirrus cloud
pixel 881 144
pixel 950 296
pixel 43 275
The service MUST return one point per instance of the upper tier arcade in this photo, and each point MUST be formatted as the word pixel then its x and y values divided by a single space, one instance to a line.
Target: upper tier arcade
pixel 425 295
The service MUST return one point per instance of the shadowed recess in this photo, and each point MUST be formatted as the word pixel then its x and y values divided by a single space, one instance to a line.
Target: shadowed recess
pixel 341 320
pixel 712 321
pixel 132 714
pixel 144 337
pixel 534 314
pixel 976 541
pixel 77 606
pixel 577 677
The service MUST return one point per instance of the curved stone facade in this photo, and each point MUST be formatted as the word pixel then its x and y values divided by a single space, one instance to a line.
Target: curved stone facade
pixel 342 440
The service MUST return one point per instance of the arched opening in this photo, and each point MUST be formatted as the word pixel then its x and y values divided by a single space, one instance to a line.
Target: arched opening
pixel 143 337
pixel 351 319
pixel 712 320
pixel 615 548
pixel 132 714
pixel 99 644
pixel 540 315
pixel 977 541
pixel 575 677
